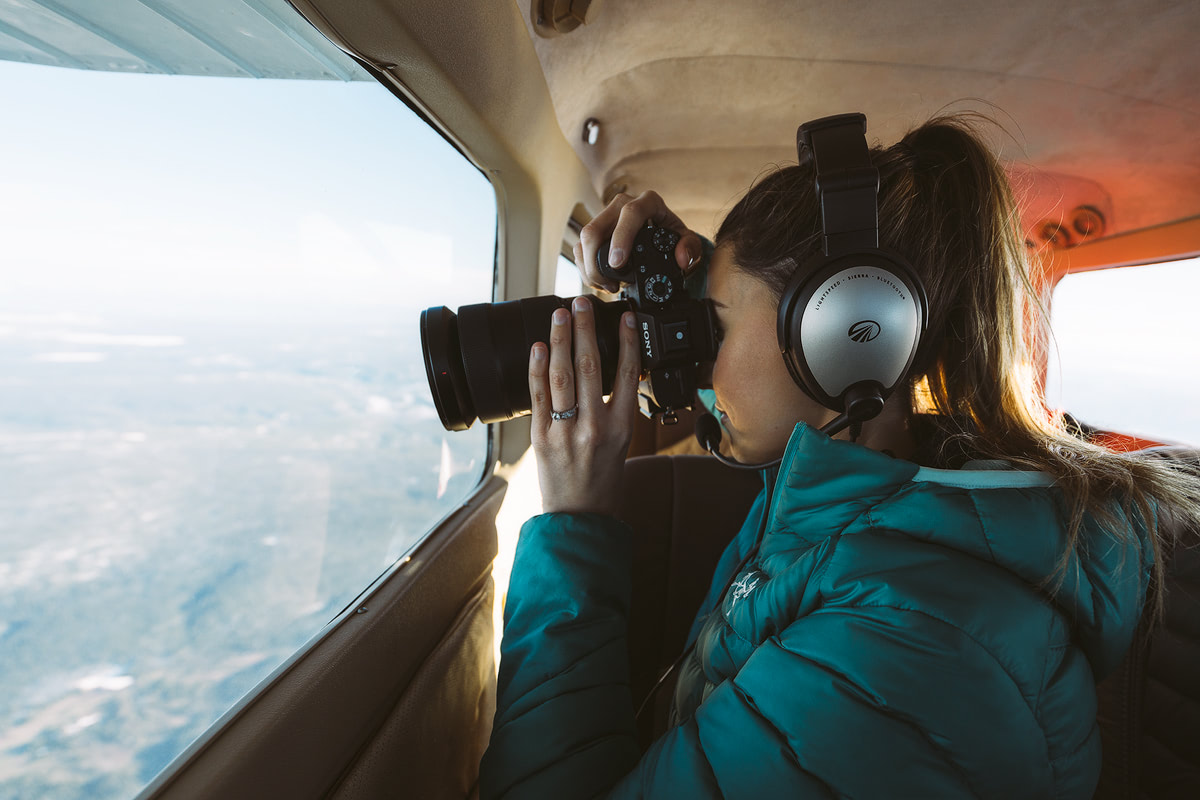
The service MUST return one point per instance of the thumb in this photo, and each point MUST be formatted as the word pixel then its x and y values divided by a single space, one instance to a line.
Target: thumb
pixel 688 252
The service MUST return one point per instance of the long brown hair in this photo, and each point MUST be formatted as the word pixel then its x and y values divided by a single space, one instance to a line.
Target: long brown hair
pixel 945 202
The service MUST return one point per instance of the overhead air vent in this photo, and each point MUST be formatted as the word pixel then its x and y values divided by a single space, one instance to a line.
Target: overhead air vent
pixel 1061 211
pixel 553 17
pixel 1083 224
pixel 591 131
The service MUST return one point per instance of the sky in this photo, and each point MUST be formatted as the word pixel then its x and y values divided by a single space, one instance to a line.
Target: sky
pixel 1124 355
pixel 153 188
pixel 158 235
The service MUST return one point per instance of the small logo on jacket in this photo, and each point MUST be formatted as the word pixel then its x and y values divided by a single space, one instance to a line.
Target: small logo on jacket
pixel 743 587
pixel 864 330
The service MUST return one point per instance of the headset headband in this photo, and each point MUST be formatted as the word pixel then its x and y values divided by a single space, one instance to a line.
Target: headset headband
pixel 847 182
pixel 850 319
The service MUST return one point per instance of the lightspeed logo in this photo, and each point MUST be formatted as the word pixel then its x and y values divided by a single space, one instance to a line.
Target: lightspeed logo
pixel 864 330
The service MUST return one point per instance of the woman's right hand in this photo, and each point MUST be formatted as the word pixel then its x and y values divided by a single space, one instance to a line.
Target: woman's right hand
pixel 620 221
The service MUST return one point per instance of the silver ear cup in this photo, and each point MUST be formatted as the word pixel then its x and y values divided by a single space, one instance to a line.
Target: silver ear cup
pixel 857 319
pixel 860 324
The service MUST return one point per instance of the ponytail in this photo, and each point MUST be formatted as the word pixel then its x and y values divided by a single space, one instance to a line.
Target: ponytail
pixel 945 202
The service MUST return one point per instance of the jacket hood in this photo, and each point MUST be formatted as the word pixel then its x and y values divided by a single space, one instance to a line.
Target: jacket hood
pixel 1012 518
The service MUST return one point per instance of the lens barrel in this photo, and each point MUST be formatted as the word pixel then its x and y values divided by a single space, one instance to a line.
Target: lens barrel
pixel 477 361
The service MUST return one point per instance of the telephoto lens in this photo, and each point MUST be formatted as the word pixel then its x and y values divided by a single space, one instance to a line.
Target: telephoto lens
pixel 477 361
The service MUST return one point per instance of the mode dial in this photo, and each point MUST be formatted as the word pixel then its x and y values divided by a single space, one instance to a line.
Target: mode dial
pixel 659 288
pixel 665 240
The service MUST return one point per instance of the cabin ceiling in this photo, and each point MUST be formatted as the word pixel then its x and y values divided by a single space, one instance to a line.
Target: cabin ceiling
pixel 1097 100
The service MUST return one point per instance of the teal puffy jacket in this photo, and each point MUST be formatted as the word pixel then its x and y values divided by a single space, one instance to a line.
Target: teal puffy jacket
pixel 877 629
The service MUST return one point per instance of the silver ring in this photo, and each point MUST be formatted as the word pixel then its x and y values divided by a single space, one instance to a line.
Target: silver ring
pixel 568 414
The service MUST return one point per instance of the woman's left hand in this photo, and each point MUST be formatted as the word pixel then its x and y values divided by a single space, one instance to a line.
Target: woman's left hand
pixel 581 458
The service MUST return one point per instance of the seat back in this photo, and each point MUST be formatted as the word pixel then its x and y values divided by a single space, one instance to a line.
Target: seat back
pixel 1170 741
pixel 1149 709
pixel 683 510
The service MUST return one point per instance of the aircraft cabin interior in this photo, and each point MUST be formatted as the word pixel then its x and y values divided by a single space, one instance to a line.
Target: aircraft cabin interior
pixel 240 553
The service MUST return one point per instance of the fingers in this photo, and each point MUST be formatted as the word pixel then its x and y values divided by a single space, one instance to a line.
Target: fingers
pixel 688 251
pixel 594 234
pixel 647 205
pixel 619 223
pixel 588 382
pixel 561 370
pixel 539 388
pixel 623 400
pixel 559 381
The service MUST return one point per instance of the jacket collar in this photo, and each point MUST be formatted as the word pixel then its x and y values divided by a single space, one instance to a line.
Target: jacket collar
pixel 1009 517
pixel 823 484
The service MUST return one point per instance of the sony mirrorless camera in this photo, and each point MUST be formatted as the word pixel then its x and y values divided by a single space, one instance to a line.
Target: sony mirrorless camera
pixel 477 361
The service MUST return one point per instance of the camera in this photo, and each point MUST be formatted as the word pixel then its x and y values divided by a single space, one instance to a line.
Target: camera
pixel 477 361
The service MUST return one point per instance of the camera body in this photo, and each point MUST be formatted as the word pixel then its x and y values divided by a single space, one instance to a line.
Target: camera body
pixel 477 361
pixel 676 332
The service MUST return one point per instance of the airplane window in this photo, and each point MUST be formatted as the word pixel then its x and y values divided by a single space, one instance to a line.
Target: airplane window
pixel 567 282
pixel 215 428
pixel 1123 357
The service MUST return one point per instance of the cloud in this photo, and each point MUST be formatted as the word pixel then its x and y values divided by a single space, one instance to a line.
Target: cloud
pixel 69 358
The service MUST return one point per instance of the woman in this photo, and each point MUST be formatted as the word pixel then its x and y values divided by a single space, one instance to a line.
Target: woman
pixel 922 612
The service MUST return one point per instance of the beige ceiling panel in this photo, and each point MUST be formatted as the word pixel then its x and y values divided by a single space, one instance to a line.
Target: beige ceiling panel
pixel 1095 91
pixel 1142 153
pixel 691 190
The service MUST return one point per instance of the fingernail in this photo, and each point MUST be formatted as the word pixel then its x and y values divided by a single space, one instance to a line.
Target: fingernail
pixel 616 257
pixel 539 353
pixel 579 304
pixel 560 316
pixel 629 320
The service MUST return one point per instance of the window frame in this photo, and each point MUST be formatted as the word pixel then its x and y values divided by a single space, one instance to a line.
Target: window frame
pixel 435 532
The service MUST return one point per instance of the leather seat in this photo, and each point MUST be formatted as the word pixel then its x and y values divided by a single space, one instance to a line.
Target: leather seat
pixel 683 510
pixel 1149 709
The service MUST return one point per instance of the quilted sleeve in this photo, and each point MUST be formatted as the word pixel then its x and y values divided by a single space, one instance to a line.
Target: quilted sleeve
pixel 564 721
pixel 564 725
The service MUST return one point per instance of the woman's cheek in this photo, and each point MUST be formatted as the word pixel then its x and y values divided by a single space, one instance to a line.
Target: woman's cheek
pixel 720 369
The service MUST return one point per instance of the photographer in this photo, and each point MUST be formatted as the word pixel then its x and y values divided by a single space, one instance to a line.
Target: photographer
pixel 922 611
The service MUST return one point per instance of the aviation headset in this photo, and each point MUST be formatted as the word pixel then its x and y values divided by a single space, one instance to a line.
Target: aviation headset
pixel 851 318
